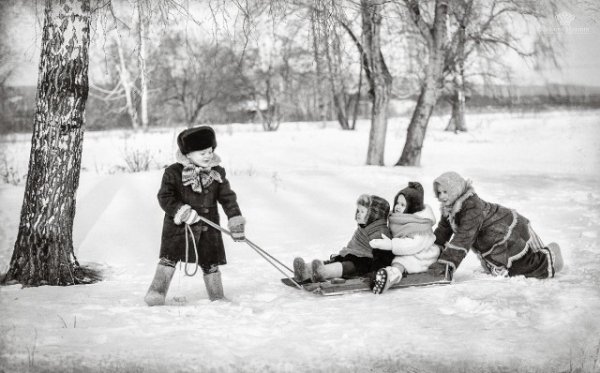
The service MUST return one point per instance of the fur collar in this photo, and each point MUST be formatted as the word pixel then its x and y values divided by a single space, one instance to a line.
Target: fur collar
pixel 451 211
pixel 185 161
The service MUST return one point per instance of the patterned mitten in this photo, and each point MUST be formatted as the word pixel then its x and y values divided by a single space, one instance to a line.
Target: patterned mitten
pixel 186 214
pixel 236 226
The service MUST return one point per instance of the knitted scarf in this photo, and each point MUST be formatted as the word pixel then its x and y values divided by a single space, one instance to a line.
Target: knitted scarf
pixel 359 243
pixel 408 225
pixel 196 176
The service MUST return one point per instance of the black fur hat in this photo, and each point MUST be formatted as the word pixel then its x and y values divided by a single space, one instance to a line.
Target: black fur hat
pixel 414 197
pixel 197 138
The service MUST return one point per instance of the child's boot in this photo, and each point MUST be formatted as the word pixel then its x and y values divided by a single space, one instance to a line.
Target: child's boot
pixel 322 272
pixel 557 256
pixel 160 284
pixel 214 286
pixel 302 272
pixel 386 277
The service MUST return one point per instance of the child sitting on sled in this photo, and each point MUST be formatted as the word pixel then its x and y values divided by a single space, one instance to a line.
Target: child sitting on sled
pixel 191 188
pixel 357 257
pixel 411 224
pixel 502 238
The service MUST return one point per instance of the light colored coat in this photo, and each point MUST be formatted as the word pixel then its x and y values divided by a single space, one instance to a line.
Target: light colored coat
pixel 417 252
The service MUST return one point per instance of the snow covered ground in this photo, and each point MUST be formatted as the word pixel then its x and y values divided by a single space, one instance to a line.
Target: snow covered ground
pixel 297 189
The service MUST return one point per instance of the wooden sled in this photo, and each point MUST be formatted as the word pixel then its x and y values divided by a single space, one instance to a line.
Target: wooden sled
pixel 338 286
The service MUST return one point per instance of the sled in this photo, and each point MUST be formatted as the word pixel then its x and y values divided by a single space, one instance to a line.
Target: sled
pixel 338 286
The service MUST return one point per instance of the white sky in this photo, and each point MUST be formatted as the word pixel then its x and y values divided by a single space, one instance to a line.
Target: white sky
pixel 579 29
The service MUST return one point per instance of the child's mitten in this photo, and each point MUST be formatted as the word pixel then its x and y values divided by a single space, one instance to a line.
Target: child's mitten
pixel 383 243
pixel 186 214
pixel 236 226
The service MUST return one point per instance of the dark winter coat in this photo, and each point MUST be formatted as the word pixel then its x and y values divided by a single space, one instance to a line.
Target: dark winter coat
pixel 173 195
pixel 498 235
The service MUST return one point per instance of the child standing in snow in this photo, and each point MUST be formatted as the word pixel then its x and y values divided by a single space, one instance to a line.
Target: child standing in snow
pixel 191 188
pixel 357 257
pixel 502 238
pixel 411 224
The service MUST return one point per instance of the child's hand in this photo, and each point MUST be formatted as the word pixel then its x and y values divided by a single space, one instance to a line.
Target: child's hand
pixel 383 243
pixel 236 227
pixel 187 215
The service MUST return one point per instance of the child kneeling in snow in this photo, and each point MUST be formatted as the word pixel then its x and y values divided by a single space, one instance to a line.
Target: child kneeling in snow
pixel 502 238
pixel 357 257
pixel 191 188
pixel 411 224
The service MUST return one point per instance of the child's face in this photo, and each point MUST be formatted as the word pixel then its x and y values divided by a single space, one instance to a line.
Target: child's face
pixel 442 195
pixel 400 204
pixel 201 158
pixel 361 214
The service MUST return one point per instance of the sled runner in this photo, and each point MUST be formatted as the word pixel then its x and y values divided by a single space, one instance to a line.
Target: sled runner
pixel 338 286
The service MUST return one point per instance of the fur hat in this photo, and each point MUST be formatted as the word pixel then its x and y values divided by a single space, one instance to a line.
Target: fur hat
pixel 378 208
pixel 197 138
pixel 454 184
pixel 413 194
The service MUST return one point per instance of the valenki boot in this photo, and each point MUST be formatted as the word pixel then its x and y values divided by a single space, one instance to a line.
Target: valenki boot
pixel 386 277
pixel 322 272
pixel 214 286
pixel 302 272
pixel 557 256
pixel 160 285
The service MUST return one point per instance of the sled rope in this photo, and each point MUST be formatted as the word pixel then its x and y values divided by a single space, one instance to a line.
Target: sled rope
pixel 187 251
pixel 266 256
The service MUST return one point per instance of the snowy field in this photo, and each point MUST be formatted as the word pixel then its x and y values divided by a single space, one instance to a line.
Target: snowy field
pixel 297 188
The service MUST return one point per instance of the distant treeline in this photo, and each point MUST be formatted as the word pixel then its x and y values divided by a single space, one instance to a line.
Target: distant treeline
pixel 18 107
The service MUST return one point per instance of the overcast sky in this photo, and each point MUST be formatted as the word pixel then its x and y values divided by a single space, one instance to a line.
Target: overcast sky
pixel 577 25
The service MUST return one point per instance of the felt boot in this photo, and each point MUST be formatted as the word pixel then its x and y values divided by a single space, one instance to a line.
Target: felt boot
pixel 386 277
pixel 160 285
pixel 557 256
pixel 214 286
pixel 322 272
pixel 302 272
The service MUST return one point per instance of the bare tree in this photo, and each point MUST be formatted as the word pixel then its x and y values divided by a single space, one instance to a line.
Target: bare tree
pixel 142 36
pixel 194 74
pixel 332 45
pixel 43 252
pixel 318 36
pixel 457 122
pixel 377 73
pixel 484 32
pixel 435 36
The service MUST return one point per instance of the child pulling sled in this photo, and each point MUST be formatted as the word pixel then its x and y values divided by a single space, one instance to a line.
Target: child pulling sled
pixel 191 188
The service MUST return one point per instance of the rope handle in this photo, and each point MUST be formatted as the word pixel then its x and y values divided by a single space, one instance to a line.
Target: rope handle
pixel 187 247
pixel 266 256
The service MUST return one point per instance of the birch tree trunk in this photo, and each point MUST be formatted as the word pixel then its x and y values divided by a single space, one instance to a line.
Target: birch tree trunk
pixel 430 89
pixel 142 67
pixel 43 252
pixel 336 82
pixel 380 80
pixel 127 85
pixel 317 37
pixel 457 119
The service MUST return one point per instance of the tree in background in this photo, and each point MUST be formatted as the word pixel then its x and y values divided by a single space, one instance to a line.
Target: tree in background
pixel 43 253
pixel 483 33
pixel 193 74
pixel 377 73
pixel 434 33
